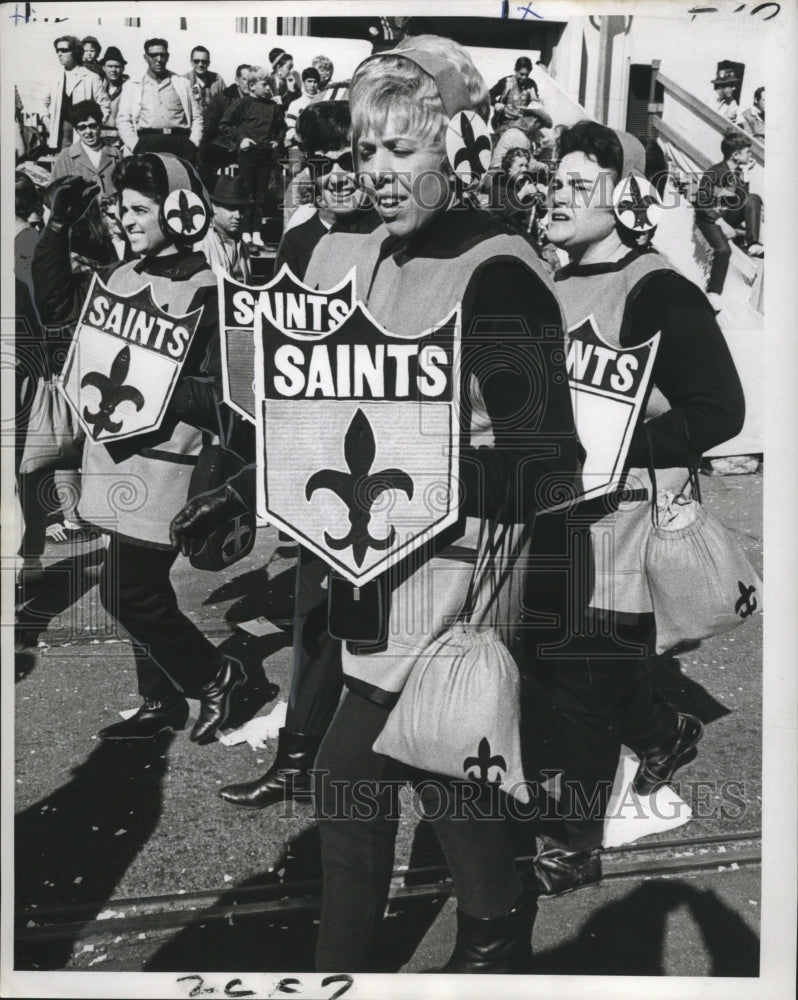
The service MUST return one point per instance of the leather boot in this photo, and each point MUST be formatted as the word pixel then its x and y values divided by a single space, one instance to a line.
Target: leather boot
pixel 287 777
pixel 556 869
pixel 657 766
pixel 494 945
pixel 155 716
pixel 215 700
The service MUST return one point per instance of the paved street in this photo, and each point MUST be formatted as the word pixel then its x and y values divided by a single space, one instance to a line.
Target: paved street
pixel 120 833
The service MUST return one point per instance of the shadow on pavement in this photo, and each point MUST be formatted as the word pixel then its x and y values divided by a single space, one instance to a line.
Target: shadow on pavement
pixel 73 847
pixel 627 937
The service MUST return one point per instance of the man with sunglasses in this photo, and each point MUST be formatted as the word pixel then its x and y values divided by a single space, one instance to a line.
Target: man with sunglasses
pixel 205 83
pixel 72 84
pixel 88 157
pixel 159 112
pixel 323 129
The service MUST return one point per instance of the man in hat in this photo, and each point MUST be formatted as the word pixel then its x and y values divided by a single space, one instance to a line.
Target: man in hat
pixel 222 245
pixel 725 84
pixel 114 76
pixel 285 82
pixel 91 54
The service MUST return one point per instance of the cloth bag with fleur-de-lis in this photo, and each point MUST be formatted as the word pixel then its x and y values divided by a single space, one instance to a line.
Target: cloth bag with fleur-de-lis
pixel 459 712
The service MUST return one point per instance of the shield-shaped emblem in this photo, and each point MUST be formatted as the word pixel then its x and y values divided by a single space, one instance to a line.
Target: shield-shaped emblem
pixel 288 305
pixel 124 362
pixel 608 389
pixel 358 439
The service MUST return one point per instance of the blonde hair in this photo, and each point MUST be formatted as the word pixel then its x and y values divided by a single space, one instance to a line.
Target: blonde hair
pixel 257 73
pixel 394 84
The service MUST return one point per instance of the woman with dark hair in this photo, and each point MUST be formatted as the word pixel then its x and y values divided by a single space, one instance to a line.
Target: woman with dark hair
pixel 603 214
pixel 133 487
pixel 88 156
pixel 73 83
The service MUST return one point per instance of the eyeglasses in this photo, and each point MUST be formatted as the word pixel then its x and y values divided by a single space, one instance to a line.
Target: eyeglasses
pixel 322 165
pixel 157 55
pixel 83 126
pixel 63 52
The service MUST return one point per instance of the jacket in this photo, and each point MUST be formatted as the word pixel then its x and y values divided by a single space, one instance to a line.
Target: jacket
pixel 75 162
pixel 130 108
pixel 249 118
pixel 86 86
pixel 720 189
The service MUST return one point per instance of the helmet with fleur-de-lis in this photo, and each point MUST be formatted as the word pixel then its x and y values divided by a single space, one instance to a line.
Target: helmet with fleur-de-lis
pixel 185 211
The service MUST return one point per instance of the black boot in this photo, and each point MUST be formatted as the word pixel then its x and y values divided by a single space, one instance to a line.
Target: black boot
pixel 287 777
pixel 215 700
pixel 556 869
pixel 657 766
pixel 155 716
pixel 494 945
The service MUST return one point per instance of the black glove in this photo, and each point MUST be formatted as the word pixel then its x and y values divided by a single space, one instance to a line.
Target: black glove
pixel 71 199
pixel 202 515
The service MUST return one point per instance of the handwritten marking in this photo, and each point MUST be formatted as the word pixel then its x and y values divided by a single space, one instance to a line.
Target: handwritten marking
pixel 527 10
pixel 235 988
pixel 757 10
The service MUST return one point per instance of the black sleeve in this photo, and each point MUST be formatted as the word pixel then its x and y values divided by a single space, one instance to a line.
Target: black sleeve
pixel 58 293
pixel 693 369
pixel 513 346
pixel 497 90
pixel 197 398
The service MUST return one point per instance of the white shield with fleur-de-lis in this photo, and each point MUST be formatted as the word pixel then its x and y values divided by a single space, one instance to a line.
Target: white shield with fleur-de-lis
pixel 124 362
pixel 358 438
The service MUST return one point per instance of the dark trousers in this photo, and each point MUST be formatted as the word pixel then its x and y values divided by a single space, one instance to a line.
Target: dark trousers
pixel 180 145
pixel 317 679
pixel 255 169
pixel 596 668
pixel 357 808
pixel 749 215
pixel 171 653
pixel 213 158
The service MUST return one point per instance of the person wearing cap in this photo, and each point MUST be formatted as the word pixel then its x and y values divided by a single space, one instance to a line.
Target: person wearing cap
pixel 91 54
pixel 205 83
pixel 222 246
pixel 603 214
pixel 726 84
pixel 73 83
pixel 285 83
pixel 132 488
pixel 114 78
pixel 88 156
pixel 159 112
pixel 438 252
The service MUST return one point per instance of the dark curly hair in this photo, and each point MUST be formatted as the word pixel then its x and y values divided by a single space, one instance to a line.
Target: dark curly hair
pixel 593 140
pixel 325 126
pixel 85 109
pixel 141 173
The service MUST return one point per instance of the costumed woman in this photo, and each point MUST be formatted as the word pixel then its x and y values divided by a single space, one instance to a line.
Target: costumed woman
pixel 517 433
pixel 132 488
pixel 603 212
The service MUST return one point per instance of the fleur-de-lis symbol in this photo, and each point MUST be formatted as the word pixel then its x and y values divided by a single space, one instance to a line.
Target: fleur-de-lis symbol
pixel 113 391
pixel 471 148
pixel 746 604
pixel 236 540
pixel 638 203
pixel 359 489
pixel 484 762
pixel 185 212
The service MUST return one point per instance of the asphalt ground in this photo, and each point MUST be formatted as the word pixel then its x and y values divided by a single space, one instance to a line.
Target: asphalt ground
pixel 109 838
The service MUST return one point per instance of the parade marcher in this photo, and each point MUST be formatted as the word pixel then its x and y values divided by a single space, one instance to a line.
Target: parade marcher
pixel 73 84
pixel 88 156
pixel 172 656
pixel 159 112
pixel 222 245
pixel 205 83
pixel 438 252
pixel 596 661
pixel 113 67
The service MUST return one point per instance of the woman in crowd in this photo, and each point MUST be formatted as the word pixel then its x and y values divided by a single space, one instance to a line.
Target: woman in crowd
pixel 598 668
pixel 148 473
pixel 438 252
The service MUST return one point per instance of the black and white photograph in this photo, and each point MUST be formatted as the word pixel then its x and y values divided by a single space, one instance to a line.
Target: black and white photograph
pixel 399 441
